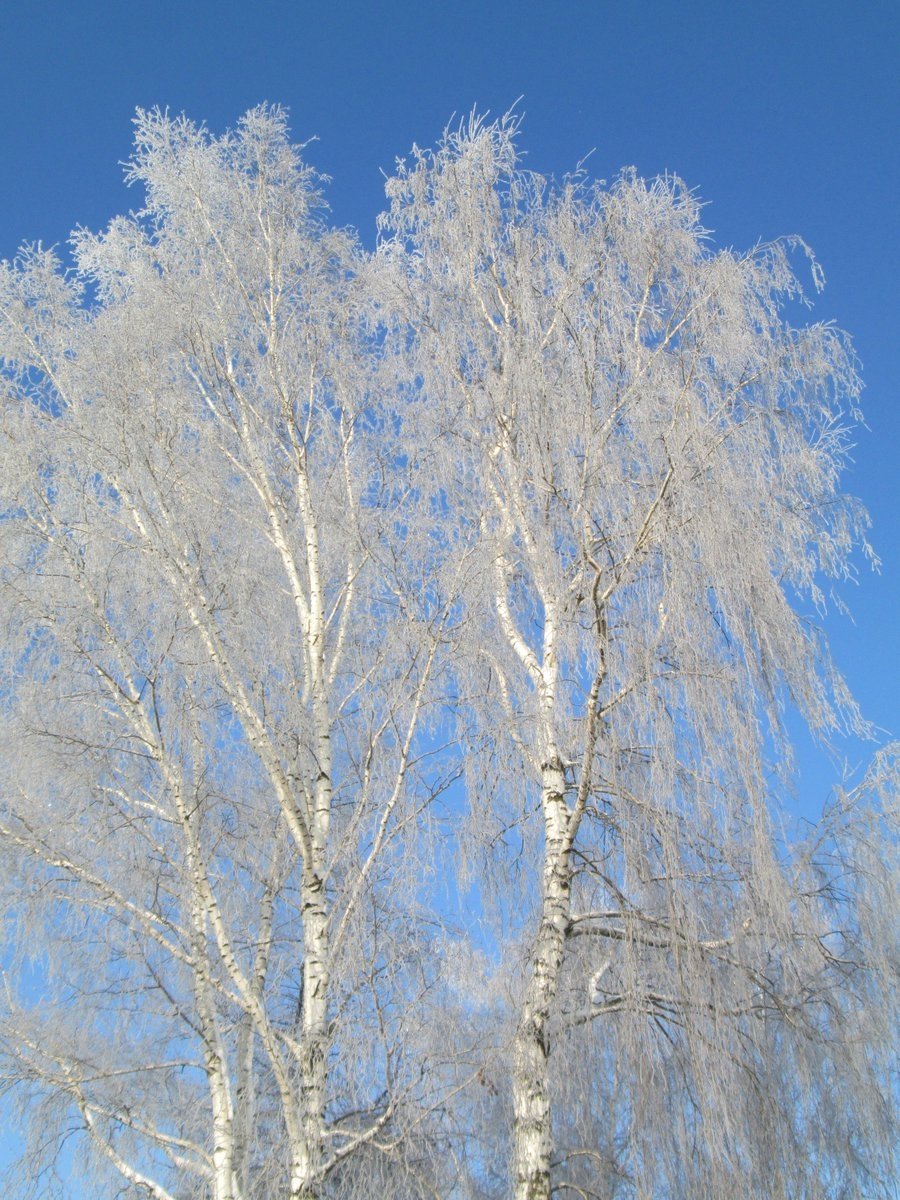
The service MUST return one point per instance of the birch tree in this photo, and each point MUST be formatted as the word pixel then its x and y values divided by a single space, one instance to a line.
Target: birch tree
pixel 544 495
pixel 644 455
pixel 217 676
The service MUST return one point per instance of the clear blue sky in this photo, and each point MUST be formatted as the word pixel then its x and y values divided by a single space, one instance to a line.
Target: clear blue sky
pixel 784 115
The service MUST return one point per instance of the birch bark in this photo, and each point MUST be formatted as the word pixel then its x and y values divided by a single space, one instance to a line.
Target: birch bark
pixel 532 1132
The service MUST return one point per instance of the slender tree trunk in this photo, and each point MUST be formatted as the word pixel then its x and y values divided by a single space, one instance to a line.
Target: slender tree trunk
pixel 307 1164
pixel 531 1086
pixel 214 1057
pixel 246 1083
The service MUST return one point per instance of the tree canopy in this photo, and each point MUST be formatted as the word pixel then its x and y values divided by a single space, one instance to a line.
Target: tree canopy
pixel 398 651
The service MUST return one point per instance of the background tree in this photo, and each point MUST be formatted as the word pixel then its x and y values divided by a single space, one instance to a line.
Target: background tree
pixel 644 456
pixel 216 683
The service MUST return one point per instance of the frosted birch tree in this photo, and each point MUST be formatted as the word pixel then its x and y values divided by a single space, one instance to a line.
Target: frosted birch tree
pixel 274 514
pixel 644 456
pixel 217 674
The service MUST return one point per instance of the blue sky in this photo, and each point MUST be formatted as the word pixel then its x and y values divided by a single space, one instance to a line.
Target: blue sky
pixel 784 116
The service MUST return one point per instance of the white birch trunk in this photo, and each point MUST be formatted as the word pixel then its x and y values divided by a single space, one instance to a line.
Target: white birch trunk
pixel 214 1059
pixel 307 1159
pixel 530 1086
pixel 246 1089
